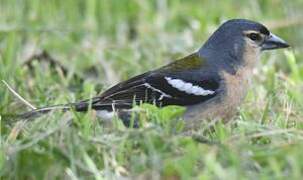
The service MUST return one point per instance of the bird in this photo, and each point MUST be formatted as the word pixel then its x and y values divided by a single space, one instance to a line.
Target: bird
pixel 210 83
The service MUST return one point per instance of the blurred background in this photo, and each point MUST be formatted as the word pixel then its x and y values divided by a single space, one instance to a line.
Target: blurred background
pixel 58 51
pixel 119 38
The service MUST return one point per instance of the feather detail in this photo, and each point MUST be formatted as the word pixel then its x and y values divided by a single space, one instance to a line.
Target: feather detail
pixel 188 87
pixel 40 111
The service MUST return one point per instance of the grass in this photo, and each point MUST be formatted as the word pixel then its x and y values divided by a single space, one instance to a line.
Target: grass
pixel 102 42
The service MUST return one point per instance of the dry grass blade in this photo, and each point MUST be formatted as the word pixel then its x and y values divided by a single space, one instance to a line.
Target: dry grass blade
pixel 15 131
pixel 18 96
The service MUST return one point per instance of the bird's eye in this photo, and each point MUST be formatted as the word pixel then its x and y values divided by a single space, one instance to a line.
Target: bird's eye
pixel 254 36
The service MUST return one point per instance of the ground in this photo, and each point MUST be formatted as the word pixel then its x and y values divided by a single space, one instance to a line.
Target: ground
pixel 54 52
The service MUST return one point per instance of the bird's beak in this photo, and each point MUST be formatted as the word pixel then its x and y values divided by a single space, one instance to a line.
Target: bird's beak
pixel 274 42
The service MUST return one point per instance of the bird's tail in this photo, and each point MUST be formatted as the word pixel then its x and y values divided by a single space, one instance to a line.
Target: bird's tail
pixel 40 111
pixel 77 106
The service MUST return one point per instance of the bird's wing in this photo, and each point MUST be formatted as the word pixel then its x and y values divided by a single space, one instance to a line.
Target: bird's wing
pixel 160 87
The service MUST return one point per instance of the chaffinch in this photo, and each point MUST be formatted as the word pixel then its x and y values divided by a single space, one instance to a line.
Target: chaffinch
pixel 211 83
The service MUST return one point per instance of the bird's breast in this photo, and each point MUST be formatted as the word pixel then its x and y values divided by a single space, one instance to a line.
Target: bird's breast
pixel 235 88
pixel 233 91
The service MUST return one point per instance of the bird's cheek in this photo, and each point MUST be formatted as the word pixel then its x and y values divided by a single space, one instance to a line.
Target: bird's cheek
pixel 257 52
pixel 251 56
pixel 254 45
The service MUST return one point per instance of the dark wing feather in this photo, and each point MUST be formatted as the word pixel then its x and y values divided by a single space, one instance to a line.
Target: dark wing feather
pixel 122 95
pixel 153 88
pixel 180 97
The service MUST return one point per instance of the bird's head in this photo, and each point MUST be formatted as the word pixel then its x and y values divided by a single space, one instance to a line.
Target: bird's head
pixel 242 40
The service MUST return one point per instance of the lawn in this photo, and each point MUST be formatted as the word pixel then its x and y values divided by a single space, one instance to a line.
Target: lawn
pixel 54 52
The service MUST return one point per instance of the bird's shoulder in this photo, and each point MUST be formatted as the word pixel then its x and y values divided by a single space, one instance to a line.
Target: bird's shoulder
pixel 191 62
